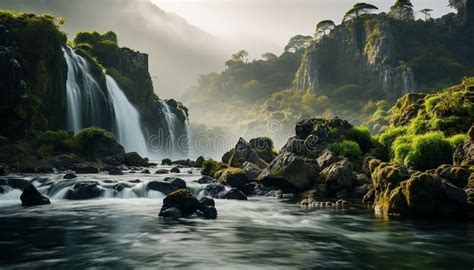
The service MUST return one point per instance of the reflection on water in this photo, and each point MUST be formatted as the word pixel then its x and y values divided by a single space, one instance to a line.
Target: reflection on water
pixel 260 233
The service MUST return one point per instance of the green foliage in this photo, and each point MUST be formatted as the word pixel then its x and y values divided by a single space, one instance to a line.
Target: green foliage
pixel 361 136
pixel 348 92
pixel 349 149
pixel 457 139
pixel 51 142
pixel 85 140
pixel 387 137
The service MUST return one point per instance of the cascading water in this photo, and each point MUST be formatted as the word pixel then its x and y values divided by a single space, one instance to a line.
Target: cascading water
pixel 87 105
pixel 127 126
pixel 170 121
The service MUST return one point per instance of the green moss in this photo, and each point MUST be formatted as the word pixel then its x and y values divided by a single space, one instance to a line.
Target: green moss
pixel 361 135
pixel 210 167
pixel 389 135
pixel 50 142
pixel 428 151
pixel 457 139
pixel 349 149
pixel 85 141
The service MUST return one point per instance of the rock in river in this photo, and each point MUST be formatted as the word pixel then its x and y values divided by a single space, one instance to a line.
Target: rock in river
pixel 32 197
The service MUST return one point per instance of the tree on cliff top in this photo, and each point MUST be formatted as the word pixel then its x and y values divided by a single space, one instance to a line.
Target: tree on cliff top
pixel 357 10
pixel 402 10
pixel 426 12
pixel 298 43
pixel 322 27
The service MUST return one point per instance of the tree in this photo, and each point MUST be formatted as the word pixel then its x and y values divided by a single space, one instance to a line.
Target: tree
pixel 460 6
pixel 426 12
pixel 323 26
pixel 357 10
pixel 269 56
pixel 238 58
pixel 402 10
pixel 298 43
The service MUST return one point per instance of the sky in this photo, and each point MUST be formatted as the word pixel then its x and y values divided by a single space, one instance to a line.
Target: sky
pixel 266 25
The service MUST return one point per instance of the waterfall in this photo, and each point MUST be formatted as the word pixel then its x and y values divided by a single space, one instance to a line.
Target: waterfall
pixel 170 121
pixel 87 105
pixel 127 127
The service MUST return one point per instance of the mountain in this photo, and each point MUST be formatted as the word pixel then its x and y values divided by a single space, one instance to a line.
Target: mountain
pixel 178 51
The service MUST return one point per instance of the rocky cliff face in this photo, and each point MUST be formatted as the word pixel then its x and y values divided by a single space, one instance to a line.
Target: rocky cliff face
pixel 360 52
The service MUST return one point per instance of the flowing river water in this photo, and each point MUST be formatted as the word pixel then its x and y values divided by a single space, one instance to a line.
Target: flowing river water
pixel 122 230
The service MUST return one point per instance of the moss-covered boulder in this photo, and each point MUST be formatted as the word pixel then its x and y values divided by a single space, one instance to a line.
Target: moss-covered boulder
pixel 95 143
pixel 424 195
pixel 290 171
pixel 464 154
pixel 407 108
pixel 243 152
pixel 182 203
pixel 386 175
pixel 234 177
pixel 457 175
pixel 338 177
pixel 210 167
pixel 134 159
pixel 263 146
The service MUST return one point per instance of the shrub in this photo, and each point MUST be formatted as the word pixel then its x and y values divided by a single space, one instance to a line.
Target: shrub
pixel 428 151
pixel 361 135
pixel 96 143
pixel 50 142
pixel 390 134
pixel 349 149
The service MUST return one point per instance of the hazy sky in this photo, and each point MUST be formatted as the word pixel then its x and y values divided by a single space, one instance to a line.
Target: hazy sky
pixel 266 25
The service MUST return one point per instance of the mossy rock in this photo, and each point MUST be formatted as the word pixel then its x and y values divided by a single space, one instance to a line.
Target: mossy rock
pixel 183 200
pixel 95 143
pixel 234 177
pixel 387 175
pixel 210 167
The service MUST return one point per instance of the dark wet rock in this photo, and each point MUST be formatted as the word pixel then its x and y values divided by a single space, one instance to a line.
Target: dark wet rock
pixel 206 180
pixel 234 177
pixel 86 167
pixel 106 168
pixel 206 201
pixel 209 212
pixel 342 203
pixel 145 171
pixel 119 187
pixel 115 171
pixel 85 190
pixel 296 146
pixel 168 185
pixel 162 171
pixel 360 191
pixel 172 212
pixel 233 194
pixel 16 183
pixel 111 161
pixel 213 190
pixel 227 155
pixel 136 181
pixel 26 168
pixel 183 200
pixel 199 161
pixel 243 152
pixel 387 175
pixel 210 167
pixel 189 172
pixel 166 161
pixel 134 159
pixel 70 175
pixel 3 170
pixel 251 170
pixel 289 171
pixel 457 175
pixel 338 176
pixel 175 170
pixel 369 197
pixel 327 158
pixel 32 197
pixel 64 161
pixel 470 182
pixel 263 146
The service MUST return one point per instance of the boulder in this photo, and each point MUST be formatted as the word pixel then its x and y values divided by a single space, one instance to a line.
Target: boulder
pixel 166 161
pixel 210 167
pixel 145 171
pixel 168 185
pixel 85 167
pixel 263 146
pixel 183 200
pixel 206 201
pixel 44 169
pixel 175 170
pixel 96 143
pixel 227 155
pixel 3 170
pixel 233 194
pixel 244 152
pixel 199 161
pixel 111 161
pixel 206 180
pixel 162 171
pixel 234 177
pixel 326 158
pixel 424 195
pixel 296 146
pixel 64 161
pixel 208 212
pixel 387 175
pixel 338 176
pixel 134 159
pixel 251 170
pixel 85 190
pixel 213 190
pixel 289 171
pixel 458 176
pixel 70 175
pixel 16 183
pixel 32 197
pixel 115 171
pixel 172 212
pixel 369 197
pixel 464 154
